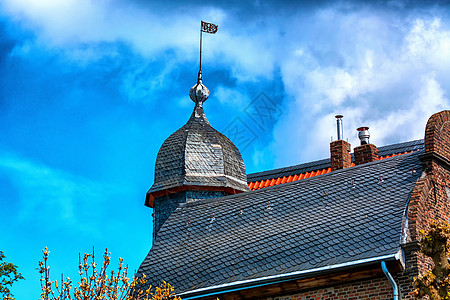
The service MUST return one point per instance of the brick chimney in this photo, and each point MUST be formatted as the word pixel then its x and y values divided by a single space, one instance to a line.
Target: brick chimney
pixel 367 152
pixel 340 150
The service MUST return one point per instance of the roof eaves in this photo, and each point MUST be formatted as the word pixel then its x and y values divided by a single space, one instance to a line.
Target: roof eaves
pixel 257 282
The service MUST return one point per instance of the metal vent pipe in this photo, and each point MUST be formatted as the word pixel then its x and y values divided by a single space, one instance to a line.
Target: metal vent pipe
pixel 340 128
pixel 363 135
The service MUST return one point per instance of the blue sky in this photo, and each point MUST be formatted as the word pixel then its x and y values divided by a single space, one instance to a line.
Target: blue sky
pixel 90 89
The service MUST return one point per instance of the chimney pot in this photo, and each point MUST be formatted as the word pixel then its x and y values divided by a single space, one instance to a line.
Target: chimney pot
pixel 363 135
pixel 340 150
pixel 340 128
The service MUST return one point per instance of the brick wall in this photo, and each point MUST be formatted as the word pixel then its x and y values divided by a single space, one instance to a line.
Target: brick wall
pixel 404 279
pixel 340 155
pixel 430 199
pixel 373 289
pixel 365 153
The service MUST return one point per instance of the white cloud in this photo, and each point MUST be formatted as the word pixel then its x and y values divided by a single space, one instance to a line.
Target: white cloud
pixel 78 26
pixel 48 194
pixel 391 85
pixel 380 68
pixel 410 122
pixel 68 23
pixel 231 96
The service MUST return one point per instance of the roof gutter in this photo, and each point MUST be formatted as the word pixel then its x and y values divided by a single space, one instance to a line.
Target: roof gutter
pixel 258 282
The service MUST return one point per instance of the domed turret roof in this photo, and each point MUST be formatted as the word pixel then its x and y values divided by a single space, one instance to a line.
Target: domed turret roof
pixel 198 156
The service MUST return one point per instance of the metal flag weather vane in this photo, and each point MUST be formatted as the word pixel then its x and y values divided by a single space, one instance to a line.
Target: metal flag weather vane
pixel 199 93
pixel 208 28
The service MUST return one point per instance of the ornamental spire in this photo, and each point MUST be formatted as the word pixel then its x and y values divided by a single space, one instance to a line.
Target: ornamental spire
pixel 199 93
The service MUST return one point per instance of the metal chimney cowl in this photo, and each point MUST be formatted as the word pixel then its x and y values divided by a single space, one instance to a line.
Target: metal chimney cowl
pixel 363 135
pixel 340 127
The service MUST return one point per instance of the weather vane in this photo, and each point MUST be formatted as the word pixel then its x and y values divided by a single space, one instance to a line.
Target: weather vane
pixel 199 93
pixel 208 28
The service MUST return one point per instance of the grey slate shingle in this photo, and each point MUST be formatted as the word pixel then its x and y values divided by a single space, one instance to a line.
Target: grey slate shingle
pixel 303 229
pixel 197 154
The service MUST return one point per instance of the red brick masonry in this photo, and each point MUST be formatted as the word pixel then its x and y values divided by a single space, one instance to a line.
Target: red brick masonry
pixel 340 155
pixel 365 153
pixel 373 289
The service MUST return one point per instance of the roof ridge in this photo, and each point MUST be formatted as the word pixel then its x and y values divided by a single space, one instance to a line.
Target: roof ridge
pixel 325 162
pixel 418 152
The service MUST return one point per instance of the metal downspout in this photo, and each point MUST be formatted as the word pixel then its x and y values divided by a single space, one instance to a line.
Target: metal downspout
pixel 391 279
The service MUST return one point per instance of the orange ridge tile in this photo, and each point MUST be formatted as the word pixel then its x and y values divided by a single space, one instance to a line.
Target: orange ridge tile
pixel 256 185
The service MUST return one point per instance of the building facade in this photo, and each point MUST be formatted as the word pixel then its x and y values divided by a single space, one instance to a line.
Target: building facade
pixel 346 227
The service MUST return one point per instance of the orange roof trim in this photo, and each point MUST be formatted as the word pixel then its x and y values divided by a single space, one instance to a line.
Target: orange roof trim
pixel 256 185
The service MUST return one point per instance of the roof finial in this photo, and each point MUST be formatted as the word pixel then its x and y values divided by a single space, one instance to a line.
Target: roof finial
pixel 199 93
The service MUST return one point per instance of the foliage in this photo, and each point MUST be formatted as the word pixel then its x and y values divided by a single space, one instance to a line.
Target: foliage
pixel 8 275
pixel 100 284
pixel 435 244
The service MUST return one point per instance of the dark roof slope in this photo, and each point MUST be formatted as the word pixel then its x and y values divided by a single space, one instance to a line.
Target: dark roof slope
pixel 335 218
pixel 325 163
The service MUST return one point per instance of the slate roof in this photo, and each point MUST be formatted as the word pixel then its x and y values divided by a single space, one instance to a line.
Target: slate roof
pixel 336 218
pixel 325 163
pixel 197 154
